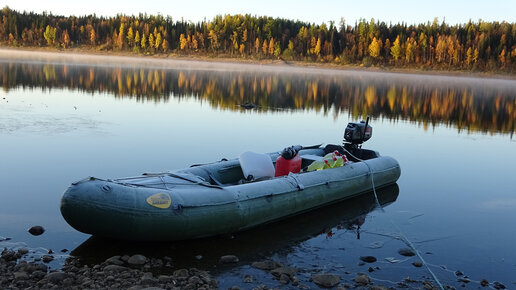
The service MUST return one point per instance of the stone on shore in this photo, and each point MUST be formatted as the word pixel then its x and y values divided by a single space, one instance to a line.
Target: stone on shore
pixel 115 260
pixel 56 277
pixel 115 268
pixel 228 259
pixel 137 260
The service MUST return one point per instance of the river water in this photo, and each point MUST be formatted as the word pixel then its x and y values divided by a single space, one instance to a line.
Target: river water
pixel 455 202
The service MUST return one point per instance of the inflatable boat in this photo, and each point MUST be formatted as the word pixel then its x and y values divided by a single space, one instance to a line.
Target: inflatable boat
pixel 229 195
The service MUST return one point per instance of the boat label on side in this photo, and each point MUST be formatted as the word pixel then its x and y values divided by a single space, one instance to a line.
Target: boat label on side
pixel 159 200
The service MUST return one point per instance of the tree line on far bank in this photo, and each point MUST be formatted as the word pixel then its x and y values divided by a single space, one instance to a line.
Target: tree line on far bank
pixel 481 46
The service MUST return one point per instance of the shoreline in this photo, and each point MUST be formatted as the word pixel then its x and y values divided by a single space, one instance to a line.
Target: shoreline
pixel 20 270
pixel 207 62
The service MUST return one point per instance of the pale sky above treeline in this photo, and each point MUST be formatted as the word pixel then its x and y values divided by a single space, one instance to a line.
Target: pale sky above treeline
pixel 408 11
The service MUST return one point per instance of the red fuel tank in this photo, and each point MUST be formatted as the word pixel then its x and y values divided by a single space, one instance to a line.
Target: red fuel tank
pixel 284 166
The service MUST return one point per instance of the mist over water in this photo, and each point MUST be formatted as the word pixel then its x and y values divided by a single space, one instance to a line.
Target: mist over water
pixel 64 117
pixel 469 104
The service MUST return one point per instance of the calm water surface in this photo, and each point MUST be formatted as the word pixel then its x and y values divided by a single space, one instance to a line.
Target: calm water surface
pixel 453 137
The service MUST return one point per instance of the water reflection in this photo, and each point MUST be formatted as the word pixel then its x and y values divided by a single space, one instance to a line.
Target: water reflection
pixel 467 105
pixel 249 245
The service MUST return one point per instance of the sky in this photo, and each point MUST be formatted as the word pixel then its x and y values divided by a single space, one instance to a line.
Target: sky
pixel 395 11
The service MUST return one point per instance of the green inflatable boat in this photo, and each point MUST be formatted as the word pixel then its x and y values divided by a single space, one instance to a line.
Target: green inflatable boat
pixel 229 195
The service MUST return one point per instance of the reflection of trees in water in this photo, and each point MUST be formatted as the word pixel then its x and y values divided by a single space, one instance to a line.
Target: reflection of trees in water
pixel 466 107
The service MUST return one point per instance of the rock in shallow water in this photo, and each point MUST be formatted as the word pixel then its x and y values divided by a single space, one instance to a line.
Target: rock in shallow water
pixel 36 230
pixel 362 279
pixel 47 258
pixel 417 264
pixel 407 252
pixel 498 285
pixel 284 279
pixel 265 265
pixel 368 259
pixel 23 251
pixel 289 271
pixel 326 280
pixel 248 279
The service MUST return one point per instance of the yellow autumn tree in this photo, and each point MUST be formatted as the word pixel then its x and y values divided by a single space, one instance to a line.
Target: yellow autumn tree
pixel 234 40
pixel 50 35
pixel 182 42
pixel 409 51
pixel 158 40
pixel 120 40
pixel 469 56
pixel 396 49
pixel 374 48
pixel 317 49
pixel 195 43
pixel 440 49
pixel 151 41
pixel 214 40
pixel 137 37
pixel 164 45
pixel 257 45
pixel 502 58
pixel 130 36
pixel 264 47
pixel 144 41
pixel 66 39
pixel 136 42
pixel 93 36
pixel 271 46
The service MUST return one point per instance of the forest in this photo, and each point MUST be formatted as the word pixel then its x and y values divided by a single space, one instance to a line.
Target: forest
pixel 473 46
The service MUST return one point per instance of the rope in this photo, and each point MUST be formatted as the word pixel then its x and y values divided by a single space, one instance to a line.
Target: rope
pixel 402 235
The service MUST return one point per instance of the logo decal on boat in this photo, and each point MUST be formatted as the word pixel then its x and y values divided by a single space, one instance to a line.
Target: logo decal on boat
pixel 159 200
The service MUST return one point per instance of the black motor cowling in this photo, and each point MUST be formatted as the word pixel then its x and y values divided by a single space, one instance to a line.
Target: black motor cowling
pixel 358 133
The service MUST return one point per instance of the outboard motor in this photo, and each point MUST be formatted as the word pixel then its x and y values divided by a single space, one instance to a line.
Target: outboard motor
pixel 357 133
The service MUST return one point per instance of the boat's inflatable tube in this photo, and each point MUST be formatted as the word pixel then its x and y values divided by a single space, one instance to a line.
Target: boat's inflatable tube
pixel 188 204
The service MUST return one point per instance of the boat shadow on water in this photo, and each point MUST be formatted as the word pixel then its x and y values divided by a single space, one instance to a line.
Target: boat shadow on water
pixel 251 245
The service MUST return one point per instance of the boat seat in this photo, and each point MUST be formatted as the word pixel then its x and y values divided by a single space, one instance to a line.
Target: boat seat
pixel 256 166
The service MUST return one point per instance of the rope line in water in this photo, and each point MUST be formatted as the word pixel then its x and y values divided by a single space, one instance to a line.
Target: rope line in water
pixel 402 235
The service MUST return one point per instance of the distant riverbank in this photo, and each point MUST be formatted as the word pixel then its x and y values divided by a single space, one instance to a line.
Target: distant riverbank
pixel 208 62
